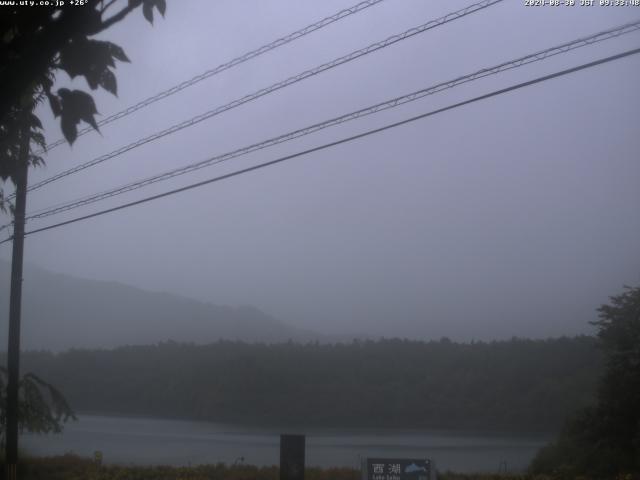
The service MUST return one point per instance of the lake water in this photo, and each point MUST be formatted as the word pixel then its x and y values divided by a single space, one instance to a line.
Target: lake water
pixel 143 441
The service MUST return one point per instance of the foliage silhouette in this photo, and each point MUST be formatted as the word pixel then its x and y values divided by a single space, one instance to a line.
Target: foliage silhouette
pixel 605 439
pixel 41 407
pixel 36 43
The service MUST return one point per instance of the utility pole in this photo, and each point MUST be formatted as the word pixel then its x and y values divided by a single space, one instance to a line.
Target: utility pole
pixel 13 359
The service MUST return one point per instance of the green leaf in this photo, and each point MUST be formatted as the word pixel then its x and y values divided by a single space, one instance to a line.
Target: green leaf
pixel 69 129
pixel 117 52
pixel 93 79
pixel 161 5
pixel 76 105
pixel 108 82
pixel 91 59
pixel 75 57
pixel 36 160
pixel 147 11
pixel 54 102
pixel 39 140
pixel 35 121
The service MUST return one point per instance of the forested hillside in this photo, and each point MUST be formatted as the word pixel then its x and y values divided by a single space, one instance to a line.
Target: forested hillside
pixel 510 385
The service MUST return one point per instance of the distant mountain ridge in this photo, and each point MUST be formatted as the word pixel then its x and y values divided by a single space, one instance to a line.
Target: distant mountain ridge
pixel 61 312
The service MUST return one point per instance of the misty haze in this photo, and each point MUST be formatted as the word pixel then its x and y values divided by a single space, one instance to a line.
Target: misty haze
pixel 406 232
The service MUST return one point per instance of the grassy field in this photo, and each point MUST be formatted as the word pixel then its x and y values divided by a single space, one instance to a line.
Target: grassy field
pixel 71 467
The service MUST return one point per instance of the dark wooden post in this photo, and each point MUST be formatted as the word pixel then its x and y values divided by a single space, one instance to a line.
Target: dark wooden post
pixel 292 457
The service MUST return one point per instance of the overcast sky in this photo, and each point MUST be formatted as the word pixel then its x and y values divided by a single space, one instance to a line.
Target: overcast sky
pixel 516 216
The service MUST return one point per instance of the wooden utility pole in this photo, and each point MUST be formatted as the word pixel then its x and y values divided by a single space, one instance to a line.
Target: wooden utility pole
pixel 13 359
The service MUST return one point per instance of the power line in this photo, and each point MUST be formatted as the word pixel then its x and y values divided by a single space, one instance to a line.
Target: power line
pixel 228 65
pixel 341 141
pixel 276 86
pixel 392 103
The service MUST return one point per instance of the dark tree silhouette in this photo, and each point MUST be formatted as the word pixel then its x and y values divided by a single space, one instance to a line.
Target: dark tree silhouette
pixel 37 42
pixel 605 439
pixel 43 409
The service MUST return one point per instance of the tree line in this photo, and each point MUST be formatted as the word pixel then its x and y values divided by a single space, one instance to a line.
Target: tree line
pixel 518 385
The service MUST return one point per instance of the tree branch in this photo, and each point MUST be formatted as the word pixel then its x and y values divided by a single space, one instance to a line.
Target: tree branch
pixel 117 17
pixel 106 7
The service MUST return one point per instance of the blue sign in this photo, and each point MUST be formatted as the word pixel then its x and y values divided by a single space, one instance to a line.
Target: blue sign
pixel 399 469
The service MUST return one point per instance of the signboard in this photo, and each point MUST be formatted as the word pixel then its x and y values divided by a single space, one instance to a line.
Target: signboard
pixel 399 469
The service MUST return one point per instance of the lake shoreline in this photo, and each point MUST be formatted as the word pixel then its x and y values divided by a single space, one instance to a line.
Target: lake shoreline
pixel 355 426
pixel 147 442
